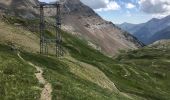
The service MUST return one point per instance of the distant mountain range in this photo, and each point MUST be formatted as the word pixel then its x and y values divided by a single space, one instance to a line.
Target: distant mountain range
pixel 151 31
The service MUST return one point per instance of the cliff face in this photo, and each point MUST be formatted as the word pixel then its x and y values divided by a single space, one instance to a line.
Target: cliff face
pixel 81 20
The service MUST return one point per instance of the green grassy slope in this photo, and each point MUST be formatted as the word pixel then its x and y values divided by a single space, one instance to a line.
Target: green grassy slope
pixel 66 84
pixel 150 72
pixel 17 80
pixel 142 74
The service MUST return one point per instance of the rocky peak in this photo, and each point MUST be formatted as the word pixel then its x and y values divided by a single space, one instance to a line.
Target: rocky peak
pixel 77 7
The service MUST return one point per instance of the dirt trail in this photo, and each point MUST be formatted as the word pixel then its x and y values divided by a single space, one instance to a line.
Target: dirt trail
pixel 47 89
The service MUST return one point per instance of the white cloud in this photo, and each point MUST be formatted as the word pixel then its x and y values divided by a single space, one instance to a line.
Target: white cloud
pixel 157 8
pixel 110 6
pixel 130 5
pixel 102 5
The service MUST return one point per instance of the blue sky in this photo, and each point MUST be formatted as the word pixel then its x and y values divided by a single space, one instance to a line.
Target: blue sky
pixel 131 11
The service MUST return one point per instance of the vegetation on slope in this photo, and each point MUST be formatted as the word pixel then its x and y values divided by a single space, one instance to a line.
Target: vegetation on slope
pixel 150 72
pixel 17 80
pixel 66 84
pixel 142 74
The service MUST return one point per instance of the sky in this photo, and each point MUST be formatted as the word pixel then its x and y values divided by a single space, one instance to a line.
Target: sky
pixel 130 11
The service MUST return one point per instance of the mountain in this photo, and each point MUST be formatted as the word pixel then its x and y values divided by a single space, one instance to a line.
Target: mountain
pixel 163 34
pixel 126 26
pixel 131 28
pixel 86 23
pixel 145 31
pixel 82 21
pixel 83 73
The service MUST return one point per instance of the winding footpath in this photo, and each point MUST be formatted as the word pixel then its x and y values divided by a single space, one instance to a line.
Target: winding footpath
pixel 47 89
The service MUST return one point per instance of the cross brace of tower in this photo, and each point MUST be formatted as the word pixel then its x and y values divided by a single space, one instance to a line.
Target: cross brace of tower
pixel 58 39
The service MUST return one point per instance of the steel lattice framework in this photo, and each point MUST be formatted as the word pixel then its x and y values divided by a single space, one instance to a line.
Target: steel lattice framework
pixel 58 39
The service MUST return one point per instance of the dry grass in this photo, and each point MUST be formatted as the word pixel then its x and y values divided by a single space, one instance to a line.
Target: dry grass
pixel 19 37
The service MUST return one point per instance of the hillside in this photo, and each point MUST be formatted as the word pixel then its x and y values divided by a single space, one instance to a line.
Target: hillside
pixel 148 32
pixel 98 31
pixel 80 20
pixel 83 73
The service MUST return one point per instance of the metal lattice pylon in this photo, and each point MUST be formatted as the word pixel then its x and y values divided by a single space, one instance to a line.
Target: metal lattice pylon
pixel 59 51
pixel 45 41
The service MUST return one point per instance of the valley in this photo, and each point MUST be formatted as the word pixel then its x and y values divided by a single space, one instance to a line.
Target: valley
pixel 100 62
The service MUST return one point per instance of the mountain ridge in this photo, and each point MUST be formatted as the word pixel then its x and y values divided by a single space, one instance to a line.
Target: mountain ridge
pixel 145 32
pixel 84 22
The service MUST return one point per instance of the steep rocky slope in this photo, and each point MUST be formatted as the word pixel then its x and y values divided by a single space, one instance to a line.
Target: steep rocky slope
pixel 85 22
pixel 82 21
